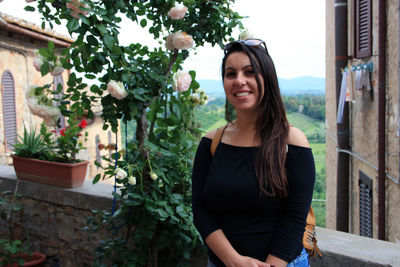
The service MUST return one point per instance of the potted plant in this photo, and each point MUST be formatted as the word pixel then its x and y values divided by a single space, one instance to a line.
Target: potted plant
pixel 13 251
pixel 50 157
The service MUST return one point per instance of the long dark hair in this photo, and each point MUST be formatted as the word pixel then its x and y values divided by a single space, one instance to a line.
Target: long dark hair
pixel 272 126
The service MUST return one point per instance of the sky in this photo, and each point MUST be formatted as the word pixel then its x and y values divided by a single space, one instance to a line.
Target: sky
pixel 293 30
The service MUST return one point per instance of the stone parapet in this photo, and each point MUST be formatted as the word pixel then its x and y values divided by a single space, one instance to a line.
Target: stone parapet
pixel 55 217
pixel 343 249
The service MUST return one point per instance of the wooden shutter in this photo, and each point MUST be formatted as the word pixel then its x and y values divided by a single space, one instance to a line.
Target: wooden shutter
pixel 363 28
pixel 9 114
pixel 59 80
pixel 365 184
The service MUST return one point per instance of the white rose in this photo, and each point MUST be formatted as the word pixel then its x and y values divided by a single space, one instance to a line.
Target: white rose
pixel 37 60
pixel 120 173
pixel 57 69
pixel 30 92
pixel 181 81
pixel 116 89
pixel 153 175
pixel 132 180
pixel 169 43
pixel 182 40
pixel 178 12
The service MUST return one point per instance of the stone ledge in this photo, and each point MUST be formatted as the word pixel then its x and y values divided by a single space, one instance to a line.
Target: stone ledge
pixel 89 196
pixel 344 249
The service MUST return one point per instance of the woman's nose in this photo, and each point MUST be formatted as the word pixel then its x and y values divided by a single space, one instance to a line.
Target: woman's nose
pixel 240 80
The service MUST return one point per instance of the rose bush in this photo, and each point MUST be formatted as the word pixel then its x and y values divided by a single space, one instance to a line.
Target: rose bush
pixel 151 222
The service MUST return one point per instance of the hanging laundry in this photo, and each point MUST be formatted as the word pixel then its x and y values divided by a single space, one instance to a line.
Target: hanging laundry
pixel 350 94
pixel 358 78
pixel 342 98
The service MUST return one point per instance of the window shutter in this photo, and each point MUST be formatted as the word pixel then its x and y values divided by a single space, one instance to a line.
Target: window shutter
pixel 59 80
pixel 9 114
pixel 365 184
pixel 363 28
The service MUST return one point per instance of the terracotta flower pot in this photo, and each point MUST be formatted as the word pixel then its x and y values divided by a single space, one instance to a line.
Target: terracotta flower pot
pixel 68 175
pixel 36 260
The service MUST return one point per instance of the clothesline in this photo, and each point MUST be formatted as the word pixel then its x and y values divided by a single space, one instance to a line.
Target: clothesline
pixel 354 78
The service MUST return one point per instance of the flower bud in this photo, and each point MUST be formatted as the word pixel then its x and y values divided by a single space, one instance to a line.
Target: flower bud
pixel 132 180
pixel 153 175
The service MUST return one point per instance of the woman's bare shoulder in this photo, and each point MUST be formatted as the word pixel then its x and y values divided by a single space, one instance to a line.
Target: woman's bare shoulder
pixel 211 134
pixel 297 137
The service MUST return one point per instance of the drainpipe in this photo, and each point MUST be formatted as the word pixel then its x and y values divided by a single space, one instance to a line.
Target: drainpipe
pixel 343 140
pixel 381 120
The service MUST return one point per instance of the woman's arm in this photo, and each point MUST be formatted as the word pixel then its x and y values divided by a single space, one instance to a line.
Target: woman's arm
pixel 287 240
pixel 221 247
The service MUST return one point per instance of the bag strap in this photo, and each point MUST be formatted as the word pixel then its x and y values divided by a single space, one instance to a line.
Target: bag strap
pixel 217 139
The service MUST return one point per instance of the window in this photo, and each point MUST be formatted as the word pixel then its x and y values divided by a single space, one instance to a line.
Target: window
pixel 59 80
pixel 9 114
pixel 365 184
pixel 363 28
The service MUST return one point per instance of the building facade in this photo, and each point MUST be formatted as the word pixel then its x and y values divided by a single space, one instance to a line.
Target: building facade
pixel 18 40
pixel 362 117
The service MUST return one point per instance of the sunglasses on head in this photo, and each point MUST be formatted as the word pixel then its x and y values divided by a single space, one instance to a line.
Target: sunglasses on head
pixel 249 42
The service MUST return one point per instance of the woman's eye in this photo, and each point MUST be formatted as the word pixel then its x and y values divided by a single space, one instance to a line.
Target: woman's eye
pixel 250 72
pixel 229 74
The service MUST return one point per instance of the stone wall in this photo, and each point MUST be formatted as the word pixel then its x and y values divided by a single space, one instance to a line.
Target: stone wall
pixel 54 217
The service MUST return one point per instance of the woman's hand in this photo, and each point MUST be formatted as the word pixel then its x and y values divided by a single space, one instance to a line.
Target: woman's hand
pixel 220 245
pixel 243 261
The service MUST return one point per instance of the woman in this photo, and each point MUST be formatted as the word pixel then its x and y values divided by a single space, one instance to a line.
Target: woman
pixel 251 199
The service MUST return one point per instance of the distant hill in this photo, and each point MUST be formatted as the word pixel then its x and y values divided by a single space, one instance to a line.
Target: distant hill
pixel 295 86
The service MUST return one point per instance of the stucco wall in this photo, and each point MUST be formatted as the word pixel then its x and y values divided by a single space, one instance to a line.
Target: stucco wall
pixel 330 102
pixel 392 120
pixel 364 123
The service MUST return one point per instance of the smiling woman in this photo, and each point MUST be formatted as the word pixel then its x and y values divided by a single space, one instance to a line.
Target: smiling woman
pixel 263 168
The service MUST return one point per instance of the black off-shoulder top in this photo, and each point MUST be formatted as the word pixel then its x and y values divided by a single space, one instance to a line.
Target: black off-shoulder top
pixel 226 195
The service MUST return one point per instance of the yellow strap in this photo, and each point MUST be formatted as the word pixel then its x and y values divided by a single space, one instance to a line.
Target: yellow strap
pixel 217 139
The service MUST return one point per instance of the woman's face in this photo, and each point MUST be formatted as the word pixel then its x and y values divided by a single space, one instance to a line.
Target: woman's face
pixel 240 82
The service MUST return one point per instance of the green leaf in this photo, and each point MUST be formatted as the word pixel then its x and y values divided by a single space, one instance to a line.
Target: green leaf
pixel 45 68
pixel 143 23
pixel 50 46
pixel 101 28
pixel 109 41
pixel 90 76
pixel 43 52
pixel 96 178
pixel 72 25
pixel 162 213
pixel 29 8
pixel 92 40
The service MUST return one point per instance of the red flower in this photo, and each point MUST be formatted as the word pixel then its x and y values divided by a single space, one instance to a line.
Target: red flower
pixel 62 131
pixel 83 124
